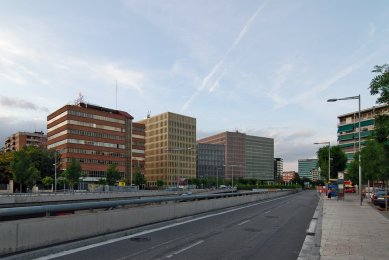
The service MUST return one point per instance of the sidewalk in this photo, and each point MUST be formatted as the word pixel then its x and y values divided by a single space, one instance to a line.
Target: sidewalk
pixel 351 231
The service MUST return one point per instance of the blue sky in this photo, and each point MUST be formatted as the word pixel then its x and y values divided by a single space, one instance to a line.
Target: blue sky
pixel 261 67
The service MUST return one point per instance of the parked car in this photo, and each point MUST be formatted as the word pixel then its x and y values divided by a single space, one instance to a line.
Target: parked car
pixel 381 197
pixel 349 189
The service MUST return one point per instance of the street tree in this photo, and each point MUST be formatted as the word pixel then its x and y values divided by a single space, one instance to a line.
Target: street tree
pixel 139 179
pixel 379 85
pixel 112 174
pixel 72 173
pixel 338 161
pixel 5 163
pixel 23 170
pixel 373 160
pixel 160 184
pixel 353 169
pixel 42 159
pixel 47 181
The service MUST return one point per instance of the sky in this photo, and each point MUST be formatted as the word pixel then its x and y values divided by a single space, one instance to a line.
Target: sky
pixel 263 68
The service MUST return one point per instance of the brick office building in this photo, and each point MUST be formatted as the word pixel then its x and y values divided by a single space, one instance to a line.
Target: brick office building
pixel 246 156
pixel 95 136
pixel 138 147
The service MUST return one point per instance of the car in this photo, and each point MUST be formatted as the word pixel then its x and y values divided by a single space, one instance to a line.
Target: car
pixel 381 197
pixel 375 194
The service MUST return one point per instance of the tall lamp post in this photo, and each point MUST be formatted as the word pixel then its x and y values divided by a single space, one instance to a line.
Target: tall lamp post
pixel 232 167
pixel 359 138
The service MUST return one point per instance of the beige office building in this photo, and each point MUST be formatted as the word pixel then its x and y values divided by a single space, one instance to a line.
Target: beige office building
pixel 170 149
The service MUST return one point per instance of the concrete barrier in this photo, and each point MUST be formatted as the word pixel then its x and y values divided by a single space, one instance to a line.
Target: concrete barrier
pixel 40 232
pixel 73 196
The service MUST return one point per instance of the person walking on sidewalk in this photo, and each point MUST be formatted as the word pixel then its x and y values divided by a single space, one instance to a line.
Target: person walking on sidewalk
pixel 329 193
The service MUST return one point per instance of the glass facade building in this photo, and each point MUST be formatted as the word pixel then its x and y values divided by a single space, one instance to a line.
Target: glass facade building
pixel 305 167
pixel 210 161
pixel 245 156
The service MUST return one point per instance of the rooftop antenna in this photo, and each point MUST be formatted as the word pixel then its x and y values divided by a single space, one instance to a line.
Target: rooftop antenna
pixel 148 114
pixel 79 99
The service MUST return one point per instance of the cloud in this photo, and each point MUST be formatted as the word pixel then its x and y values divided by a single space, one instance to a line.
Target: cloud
pixel 20 64
pixel 11 125
pixel 20 103
pixel 215 70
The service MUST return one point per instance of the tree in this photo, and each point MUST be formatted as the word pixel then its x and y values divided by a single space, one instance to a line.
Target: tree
pixel 47 181
pixel 72 173
pixel 23 170
pixel 5 163
pixel 353 169
pixel 380 84
pixel 373 160
pixel 338 161
pixel 297 179
pixel 160 184
pixel 139 179
pixel 112 174
pixel 43 159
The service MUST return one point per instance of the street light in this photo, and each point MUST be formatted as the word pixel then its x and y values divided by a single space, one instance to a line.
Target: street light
pixel 359 138
pixel 232 166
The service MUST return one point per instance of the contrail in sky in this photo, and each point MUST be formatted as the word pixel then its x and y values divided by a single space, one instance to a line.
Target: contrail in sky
pixel 220 64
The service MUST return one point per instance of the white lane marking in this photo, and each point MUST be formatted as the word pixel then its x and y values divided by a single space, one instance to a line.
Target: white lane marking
pixel 267 212
pixel 186 248
pixel 244 222
pixel 147 249
pixel 83 248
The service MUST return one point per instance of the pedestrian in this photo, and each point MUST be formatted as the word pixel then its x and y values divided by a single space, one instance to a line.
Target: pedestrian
pixel 329 193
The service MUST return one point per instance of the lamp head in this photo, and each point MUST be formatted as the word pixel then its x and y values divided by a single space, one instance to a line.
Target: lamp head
pixel 332 100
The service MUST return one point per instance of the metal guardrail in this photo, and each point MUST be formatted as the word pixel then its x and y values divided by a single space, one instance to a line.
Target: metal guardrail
pixel 47 209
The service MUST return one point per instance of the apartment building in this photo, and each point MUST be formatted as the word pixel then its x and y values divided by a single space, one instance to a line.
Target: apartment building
pixel 348 128
pixel 19 140
pixel 93 135
pixel 246 156
pixel 170 149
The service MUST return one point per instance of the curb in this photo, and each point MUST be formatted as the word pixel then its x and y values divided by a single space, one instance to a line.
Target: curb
pixel 311 245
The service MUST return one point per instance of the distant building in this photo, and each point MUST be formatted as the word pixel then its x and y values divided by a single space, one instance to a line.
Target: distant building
pixel 305 167
pixel 210 161
pixel 278 169
pixel 348 128
pixel 94 136
pixel 315 174
pixel 288 176
pixel 170 149
pixel 19 140
pixel 246 156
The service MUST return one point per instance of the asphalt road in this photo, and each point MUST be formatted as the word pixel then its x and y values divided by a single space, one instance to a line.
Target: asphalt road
pixel 273 229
